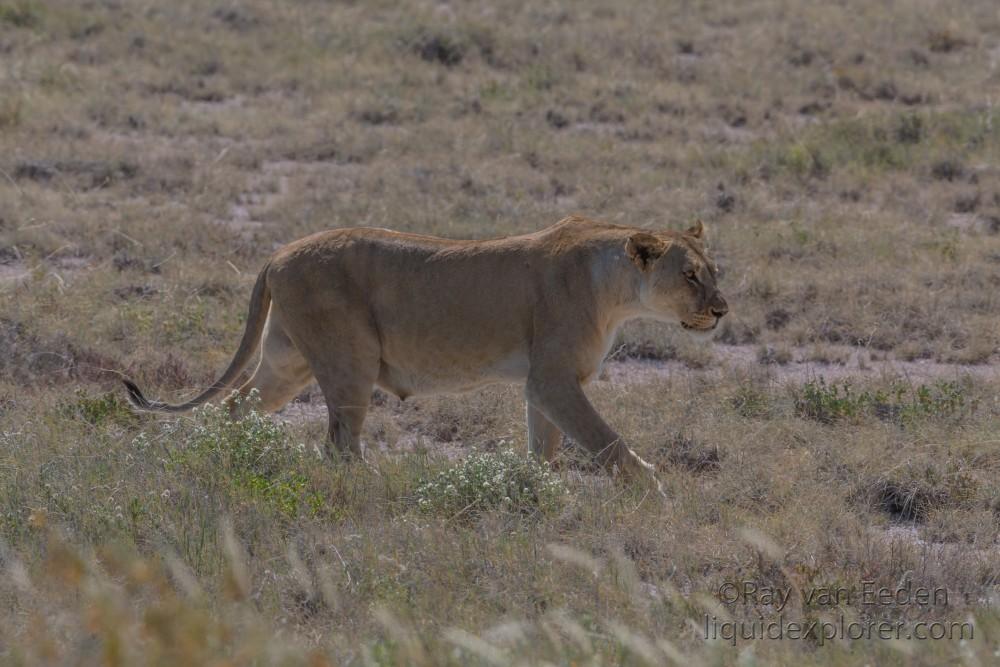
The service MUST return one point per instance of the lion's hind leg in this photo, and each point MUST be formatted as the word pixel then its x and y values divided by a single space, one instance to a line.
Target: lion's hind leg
pixel 347 383
pixel 343 354
pixel 280 375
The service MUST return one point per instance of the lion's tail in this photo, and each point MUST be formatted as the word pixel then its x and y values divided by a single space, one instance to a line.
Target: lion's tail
pixel 260 301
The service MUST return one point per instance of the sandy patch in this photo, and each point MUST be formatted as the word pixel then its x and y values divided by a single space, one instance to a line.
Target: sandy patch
pixel 857 363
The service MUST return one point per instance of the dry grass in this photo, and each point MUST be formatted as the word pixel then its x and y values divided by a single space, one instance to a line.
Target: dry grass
pixel 152 155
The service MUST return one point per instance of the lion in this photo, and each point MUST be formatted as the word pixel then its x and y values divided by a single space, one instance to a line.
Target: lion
pixel 359 308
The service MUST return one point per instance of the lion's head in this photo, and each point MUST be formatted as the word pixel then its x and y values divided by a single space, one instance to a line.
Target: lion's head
pixel 678 278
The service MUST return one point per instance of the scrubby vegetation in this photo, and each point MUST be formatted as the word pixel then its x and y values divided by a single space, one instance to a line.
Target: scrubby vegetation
pixel 844 157
pixel 201 538
pixel 505 480
pixel 899 402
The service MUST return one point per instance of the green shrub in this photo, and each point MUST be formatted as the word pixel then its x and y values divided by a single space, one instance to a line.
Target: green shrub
pixel 253 453
pixel 910 129
pixel 21 14
pixel 503 480
pixel 879 144
pixel 253 443
pixel 829 403
pixel 899 404
pixel 804 160
pixel 96 410
pixel 751 402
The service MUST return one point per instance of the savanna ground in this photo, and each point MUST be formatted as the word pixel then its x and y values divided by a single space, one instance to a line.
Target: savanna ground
pixel 844 156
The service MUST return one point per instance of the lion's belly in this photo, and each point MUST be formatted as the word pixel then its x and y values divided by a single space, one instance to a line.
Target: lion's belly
pixel 437 373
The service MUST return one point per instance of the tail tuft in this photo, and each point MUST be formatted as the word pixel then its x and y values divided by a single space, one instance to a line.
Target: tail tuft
pixel 135 396
pixel 260 303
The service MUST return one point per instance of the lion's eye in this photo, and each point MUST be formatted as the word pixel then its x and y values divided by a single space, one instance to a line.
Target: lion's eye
pixel 691 276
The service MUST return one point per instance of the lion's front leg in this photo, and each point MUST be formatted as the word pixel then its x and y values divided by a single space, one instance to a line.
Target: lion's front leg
pixel 561 400
pixel 544 437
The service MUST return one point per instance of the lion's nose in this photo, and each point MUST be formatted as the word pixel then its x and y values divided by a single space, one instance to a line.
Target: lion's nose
pixel 720 308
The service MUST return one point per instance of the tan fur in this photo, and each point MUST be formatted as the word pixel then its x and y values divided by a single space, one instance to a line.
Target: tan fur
pixel 359 308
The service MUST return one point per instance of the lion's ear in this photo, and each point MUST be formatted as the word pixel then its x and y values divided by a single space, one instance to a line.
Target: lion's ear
pixel 698 231
pixel 643 248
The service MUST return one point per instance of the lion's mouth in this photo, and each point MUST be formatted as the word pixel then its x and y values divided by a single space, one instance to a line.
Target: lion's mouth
pixel 694 327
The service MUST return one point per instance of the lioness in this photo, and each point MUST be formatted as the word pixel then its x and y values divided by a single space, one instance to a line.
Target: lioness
pixel 356 308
